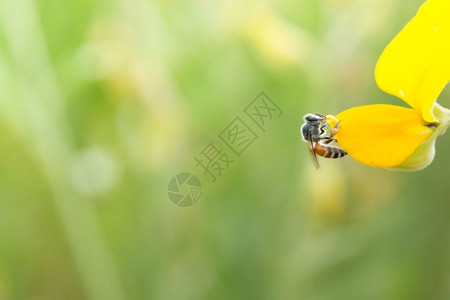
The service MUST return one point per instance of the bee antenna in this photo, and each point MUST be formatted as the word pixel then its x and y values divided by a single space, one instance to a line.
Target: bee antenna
pixel 320 115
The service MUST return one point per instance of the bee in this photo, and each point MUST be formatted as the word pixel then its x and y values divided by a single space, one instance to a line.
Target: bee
pixel 312 133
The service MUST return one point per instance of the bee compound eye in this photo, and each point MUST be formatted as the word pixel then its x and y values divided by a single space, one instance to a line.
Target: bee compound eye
pixel 315 120
pixel 310 118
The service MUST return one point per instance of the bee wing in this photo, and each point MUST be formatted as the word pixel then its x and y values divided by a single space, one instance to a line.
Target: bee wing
pixel 313 155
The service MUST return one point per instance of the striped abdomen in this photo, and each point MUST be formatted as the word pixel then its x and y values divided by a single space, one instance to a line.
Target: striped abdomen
pixel 328 151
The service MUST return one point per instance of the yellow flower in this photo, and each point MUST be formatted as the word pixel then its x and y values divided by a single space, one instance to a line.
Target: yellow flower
pixel 415 67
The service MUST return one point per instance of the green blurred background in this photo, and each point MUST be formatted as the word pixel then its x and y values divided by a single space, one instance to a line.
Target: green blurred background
pixel 102 102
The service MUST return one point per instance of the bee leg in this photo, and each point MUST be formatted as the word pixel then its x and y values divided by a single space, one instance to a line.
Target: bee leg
pixel 328 140
pixel 322 130
pixel 335 129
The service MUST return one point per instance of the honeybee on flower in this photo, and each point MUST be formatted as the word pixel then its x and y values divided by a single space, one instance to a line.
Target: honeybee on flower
pixel 415 67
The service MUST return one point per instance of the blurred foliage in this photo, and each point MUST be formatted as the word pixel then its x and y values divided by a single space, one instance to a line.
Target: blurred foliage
pixel 102 102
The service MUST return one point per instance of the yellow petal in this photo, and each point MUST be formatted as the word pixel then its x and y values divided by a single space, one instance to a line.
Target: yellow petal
pixel 381 135
pixel 415 66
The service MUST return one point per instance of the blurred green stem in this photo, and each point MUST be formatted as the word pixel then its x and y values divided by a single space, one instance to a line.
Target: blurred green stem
pixel 47 136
